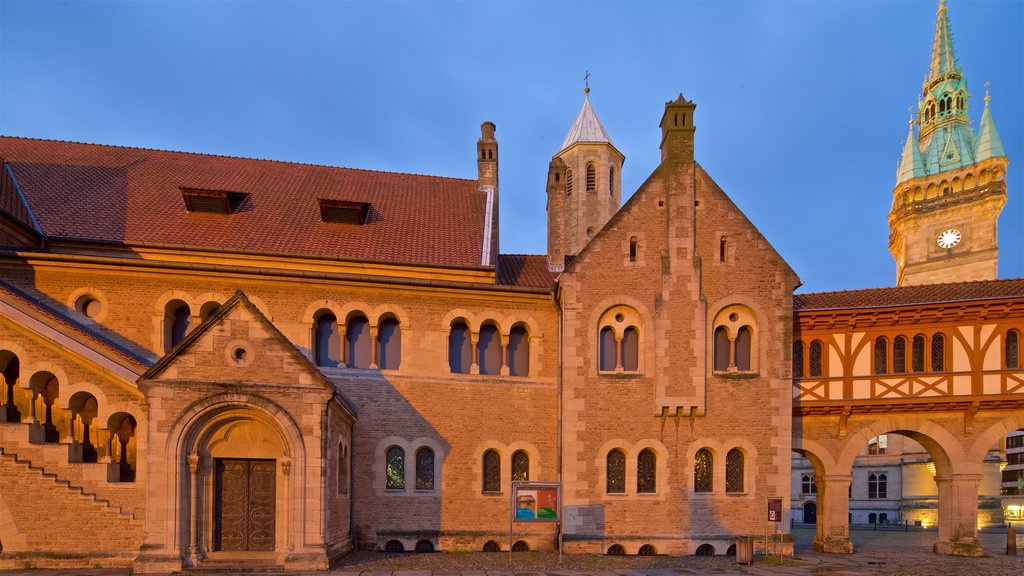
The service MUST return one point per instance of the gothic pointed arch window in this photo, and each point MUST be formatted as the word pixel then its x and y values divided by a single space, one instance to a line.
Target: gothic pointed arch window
pixel 492 471
pixel 460 351
pixel 424 469
pixel 326 340
pixel 518 352
pixel 1012 352
pixel 703 467
pixel 899 355
pixel 357 339
pixel 646 472
pixel 917 354
pixel 488 350
pixel 734 470
pixel 615 473
pixel 938 353
pixel 389 344
pixel 881 363
pixel 395 469
pixel 816 359
pixel 520 465
pixel 591 178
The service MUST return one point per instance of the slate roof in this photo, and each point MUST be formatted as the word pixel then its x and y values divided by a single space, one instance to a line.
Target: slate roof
pixel 586 128
pixel 525 270
pixel 133 196
pixel 910 295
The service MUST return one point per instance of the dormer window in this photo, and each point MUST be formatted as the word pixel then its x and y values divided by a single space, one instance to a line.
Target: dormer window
pixel 343 212
pixel 212 201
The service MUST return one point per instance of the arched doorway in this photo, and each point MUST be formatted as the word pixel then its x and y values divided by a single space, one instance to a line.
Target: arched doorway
pixel 810 513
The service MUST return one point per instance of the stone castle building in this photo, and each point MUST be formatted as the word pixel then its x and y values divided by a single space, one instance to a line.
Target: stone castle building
pixel 215 361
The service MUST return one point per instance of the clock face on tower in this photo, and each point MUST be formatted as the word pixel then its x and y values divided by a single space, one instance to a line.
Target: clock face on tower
pixel 949 238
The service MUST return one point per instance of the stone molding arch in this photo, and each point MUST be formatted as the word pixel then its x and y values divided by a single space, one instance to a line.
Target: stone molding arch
pixel 43 366
pixel 103 408
pixel 718 452
pixel 750 459
pixel 451 316
pixel 942 446
pixel 661 469
pixel 99 295
pixel 385 311
pixel 818 455
pixel 531 451
pixel 991 435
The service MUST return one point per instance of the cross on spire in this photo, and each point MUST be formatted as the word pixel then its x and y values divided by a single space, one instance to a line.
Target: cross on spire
pixel 986 91
pixel 586 82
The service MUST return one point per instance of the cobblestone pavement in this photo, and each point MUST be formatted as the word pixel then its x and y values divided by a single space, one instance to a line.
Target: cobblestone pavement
pixel 877 554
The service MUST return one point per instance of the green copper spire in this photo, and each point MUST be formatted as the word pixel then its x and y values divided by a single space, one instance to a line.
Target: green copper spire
pixel 911 165
pixel 944 64
pixel 988 143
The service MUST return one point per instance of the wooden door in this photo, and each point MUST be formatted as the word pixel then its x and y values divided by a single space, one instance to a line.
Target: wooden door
pixel 244 505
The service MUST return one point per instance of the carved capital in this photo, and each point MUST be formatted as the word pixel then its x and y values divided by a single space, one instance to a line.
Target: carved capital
pixel 193 462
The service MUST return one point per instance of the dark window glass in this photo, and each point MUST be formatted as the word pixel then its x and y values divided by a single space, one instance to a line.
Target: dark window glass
pixel 899 355
pixel 342 469
pixel 520 465
pixel 721 349
pixel 723 246
pixel 734 471
pixel 327 341
pixel 1012 349
pixel 611 180
pixel 807 485
pixel 395 470
pixel 492 471
pixel 938 353
pixel 815 359
pixel 632 249
pixel 917 354
pixel 181 319
pixel 360 348
pixel 702 471
pixel 489 350
pixel 389 337
pixel 607 362
pixel 630 350
pixel 883 486
pixel 872 486
pixel 881 356
pixel 743 338
pixel 459 349
pixel 424 469
pixel 646 479
pixel 798 359
pixel 518 352
pixel 616 473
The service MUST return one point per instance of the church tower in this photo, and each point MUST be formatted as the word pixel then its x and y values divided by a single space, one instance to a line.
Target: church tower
pixel 950 185
pixel 583 186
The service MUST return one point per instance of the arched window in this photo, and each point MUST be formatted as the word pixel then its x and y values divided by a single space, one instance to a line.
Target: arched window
pixel 807 485
pixel 815 359
pixel 389 344
pixel 734 470
pixel 178 318
pixel 632 249
pixel 703 463
pixel 917 354
pixel 938 353
pixel 721 348
pixel 630 349
pixel 492 471
pixel 646 472
pixel 488 350
pixel 742 345
pixel 327 341
pixel 207 310
pixel 518 352
pixel 424 469
pixel 798 359
pixel 460 351
pixel 615 481
pixel 881 355
pixel 607 344
pixel 520 465
pixel 568 182
pixel 395 469
pixel 899 355
pixel 591 178
pixel 342 468
pixel 878 486
pixel 611 180
pixel 360 348
pixel 121 447
pixel 1013 349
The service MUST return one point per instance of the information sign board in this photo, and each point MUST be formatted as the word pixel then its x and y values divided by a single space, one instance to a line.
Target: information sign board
pixel 535 501
pixel 775 509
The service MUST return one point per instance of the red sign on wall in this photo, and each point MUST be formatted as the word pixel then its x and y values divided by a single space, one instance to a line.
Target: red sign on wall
pixel 775 509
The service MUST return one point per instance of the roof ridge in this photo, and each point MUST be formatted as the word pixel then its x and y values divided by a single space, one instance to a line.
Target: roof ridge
pixel 937 284
pixel 212 155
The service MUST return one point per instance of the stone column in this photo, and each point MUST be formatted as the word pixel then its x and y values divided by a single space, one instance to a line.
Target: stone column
pixel 833 514
pixel 958 515
pixel 374 349
pixel 343 337
pixel 503 353
pixel 618 350
pixel 195 515
pixel 474 366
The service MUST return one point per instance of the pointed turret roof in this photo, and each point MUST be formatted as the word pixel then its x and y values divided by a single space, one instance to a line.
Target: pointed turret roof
pixel 587 127
pixel 943 59
pixel 911 165
pixel 988 142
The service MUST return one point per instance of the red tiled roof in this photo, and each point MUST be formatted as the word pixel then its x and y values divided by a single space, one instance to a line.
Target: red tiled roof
pixel 910 295
pixel 526 270
pixel 133 196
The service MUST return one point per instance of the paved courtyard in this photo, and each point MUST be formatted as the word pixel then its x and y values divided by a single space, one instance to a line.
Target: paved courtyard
pixel 883 553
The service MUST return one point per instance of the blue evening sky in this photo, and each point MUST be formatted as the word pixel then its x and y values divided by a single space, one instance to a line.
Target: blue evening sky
pixel 801 106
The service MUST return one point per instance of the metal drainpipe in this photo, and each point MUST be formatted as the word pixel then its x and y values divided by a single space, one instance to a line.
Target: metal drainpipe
pixel 558 446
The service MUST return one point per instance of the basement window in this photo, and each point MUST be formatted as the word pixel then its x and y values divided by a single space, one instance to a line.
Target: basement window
pixel 212 201
pixel 343 212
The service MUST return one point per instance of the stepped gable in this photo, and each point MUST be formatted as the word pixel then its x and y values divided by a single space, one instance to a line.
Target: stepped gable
pixel 135 196
pixel 910 295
